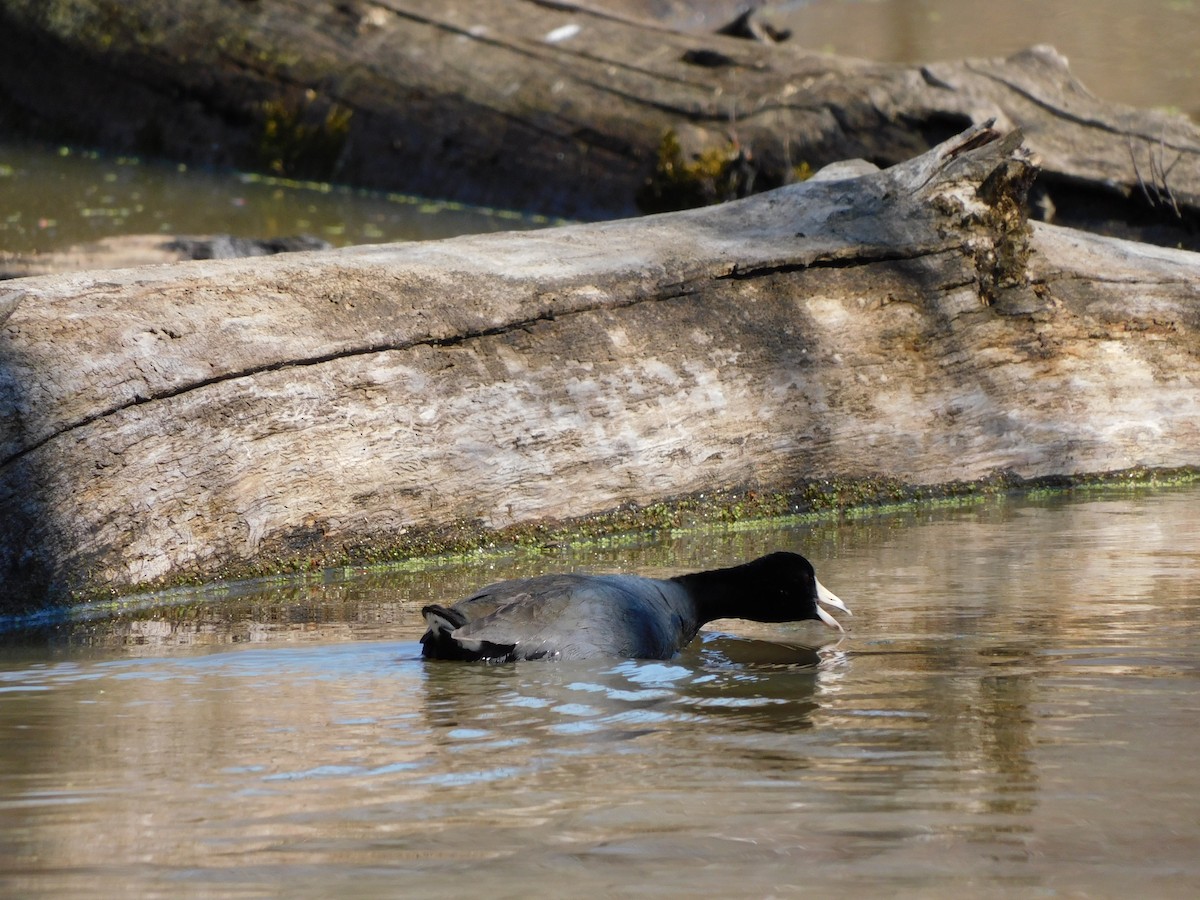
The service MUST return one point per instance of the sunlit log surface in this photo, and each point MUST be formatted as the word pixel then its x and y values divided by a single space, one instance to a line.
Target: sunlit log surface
pixel 178 420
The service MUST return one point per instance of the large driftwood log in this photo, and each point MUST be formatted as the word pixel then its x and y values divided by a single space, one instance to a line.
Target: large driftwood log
pixel 553 105
pixel 166 421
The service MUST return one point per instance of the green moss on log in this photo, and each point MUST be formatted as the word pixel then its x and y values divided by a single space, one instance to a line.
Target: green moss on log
pixel 713 175
pixel 812 500
pixel 302 137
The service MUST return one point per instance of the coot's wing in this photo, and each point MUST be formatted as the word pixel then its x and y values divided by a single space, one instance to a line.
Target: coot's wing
pixel 491 622
pixel 519 591
pixel 569 616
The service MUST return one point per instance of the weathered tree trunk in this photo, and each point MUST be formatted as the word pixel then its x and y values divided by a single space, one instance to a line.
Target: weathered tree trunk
pixel 210 417
pixel 556 107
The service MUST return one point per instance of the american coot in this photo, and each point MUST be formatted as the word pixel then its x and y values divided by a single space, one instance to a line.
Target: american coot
pixel 574 616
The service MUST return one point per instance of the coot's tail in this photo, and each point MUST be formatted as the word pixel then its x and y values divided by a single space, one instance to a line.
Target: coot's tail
pixel 439 642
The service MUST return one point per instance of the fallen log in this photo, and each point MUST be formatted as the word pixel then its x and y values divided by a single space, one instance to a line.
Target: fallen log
pixel 226 417
pixel 558 107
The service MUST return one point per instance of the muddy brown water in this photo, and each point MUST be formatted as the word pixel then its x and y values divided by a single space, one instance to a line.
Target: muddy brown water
pixel 1140 54
pixel 1014 713
pixel 54 197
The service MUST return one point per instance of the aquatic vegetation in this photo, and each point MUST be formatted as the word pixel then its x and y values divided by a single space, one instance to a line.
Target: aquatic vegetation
pixel 813 500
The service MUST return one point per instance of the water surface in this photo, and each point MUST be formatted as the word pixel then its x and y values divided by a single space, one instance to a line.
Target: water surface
pixel 55 197
pixel 1015 712
pixel 1141 54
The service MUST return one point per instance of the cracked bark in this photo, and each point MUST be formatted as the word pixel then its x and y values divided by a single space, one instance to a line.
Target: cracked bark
pixel 202 418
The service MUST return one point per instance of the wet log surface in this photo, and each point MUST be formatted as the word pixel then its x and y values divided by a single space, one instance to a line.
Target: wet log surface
pixel 217 416
pixel 554 106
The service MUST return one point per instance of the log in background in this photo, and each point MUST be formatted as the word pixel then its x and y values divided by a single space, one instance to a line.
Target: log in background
pixel 556 107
